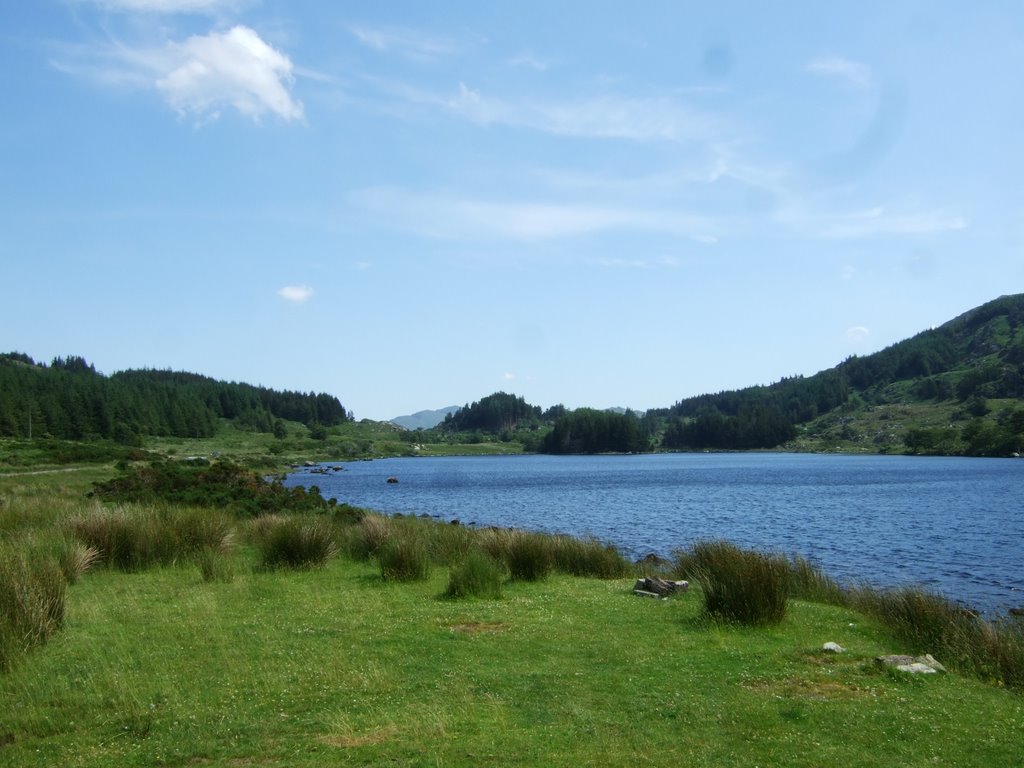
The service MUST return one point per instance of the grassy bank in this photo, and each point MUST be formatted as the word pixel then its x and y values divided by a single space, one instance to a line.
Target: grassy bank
pixel 239 664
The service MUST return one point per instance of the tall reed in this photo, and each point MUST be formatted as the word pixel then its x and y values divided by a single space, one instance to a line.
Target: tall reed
pixel 32 601
pixel 738 585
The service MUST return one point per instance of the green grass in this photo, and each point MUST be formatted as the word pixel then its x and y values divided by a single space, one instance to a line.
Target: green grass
pixel 337 666
pixel 334 667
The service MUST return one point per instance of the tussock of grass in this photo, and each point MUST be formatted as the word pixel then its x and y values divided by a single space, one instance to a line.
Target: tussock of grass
pixel 293 542
pixel 930 623
pixel 589 557
pixel 404 558
pixel 479 575
pixel 131 537
pixel 32 600
pixel 808 582
pixel 738 585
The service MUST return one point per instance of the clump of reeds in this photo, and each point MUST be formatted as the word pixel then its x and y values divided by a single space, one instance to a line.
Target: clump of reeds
pixel 364 540
pixel 808 582
pixel 588 557
pixel 32 599
pixel 404 558
pixel 131 538
pixel 75 559
pixel 530 556
pixel 294 541
pixel 479 575
pixel 958 637
pixel 738 585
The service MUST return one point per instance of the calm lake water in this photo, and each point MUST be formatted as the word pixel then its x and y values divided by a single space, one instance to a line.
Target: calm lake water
pixel 954 525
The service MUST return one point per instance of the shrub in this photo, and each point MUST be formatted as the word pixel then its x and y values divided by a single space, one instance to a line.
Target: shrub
pixel 32 598
pixel 294 542
pixel 738 585
pixel 404 558
pixel 588 557
pixel 479 575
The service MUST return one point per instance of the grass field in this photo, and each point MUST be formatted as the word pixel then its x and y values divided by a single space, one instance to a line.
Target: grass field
pixel 336 666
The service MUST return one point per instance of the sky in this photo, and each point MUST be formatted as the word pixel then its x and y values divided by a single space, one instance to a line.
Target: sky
pixel 412 205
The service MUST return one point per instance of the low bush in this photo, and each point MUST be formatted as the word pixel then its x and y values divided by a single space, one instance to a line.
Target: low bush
pixel 32 599
pixel 738 585
pixel 479 575
pixel 404 558
pixel 221 485
pixel 294 542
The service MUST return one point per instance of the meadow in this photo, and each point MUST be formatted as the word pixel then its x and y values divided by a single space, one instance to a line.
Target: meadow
pixel 359 652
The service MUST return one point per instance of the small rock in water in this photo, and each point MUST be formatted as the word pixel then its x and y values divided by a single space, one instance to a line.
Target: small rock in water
pixel 833 648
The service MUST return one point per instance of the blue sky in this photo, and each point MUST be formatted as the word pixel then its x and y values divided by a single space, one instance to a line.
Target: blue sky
pixel 411 205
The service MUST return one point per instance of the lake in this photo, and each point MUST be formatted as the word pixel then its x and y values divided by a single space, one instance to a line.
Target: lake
pixel 954 525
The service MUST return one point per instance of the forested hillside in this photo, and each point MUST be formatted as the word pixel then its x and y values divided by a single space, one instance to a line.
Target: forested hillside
pixel 966 365
pixel 69 399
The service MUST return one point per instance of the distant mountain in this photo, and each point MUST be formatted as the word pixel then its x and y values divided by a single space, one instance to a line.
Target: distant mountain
pixel 424 419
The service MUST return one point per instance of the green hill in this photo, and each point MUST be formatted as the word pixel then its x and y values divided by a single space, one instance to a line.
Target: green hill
pixel 951 389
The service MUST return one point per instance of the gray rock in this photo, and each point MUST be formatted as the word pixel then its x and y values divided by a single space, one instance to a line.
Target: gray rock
pixel 917 665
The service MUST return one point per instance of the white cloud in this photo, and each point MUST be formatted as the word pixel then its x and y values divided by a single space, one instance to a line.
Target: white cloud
pixel 408 42
pixel 848 272
pixel 853 72
pixel 169 6
pixel 857 334
pixel 234 68
pixel 507 376
pixel 297 293
pixel 200 76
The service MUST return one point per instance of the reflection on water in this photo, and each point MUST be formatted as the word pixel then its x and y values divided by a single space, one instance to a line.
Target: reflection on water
pixel 952 524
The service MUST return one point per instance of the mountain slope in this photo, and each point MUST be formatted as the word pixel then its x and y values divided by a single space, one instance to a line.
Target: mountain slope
pixel 951 389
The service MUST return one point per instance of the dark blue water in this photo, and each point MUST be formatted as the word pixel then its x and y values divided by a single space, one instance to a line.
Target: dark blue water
pixel 953 525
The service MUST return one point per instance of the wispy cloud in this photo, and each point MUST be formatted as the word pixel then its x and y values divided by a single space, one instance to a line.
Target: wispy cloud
pixel 857 334
pixel 876 221
pixel 608 116
pixel 529 61
pixel 853 72
pixel 296 293
pixel 201 76
pixel 464 218
pixel 404 41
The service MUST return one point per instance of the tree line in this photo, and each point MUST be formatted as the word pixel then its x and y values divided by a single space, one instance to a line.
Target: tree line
pixel 70 400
